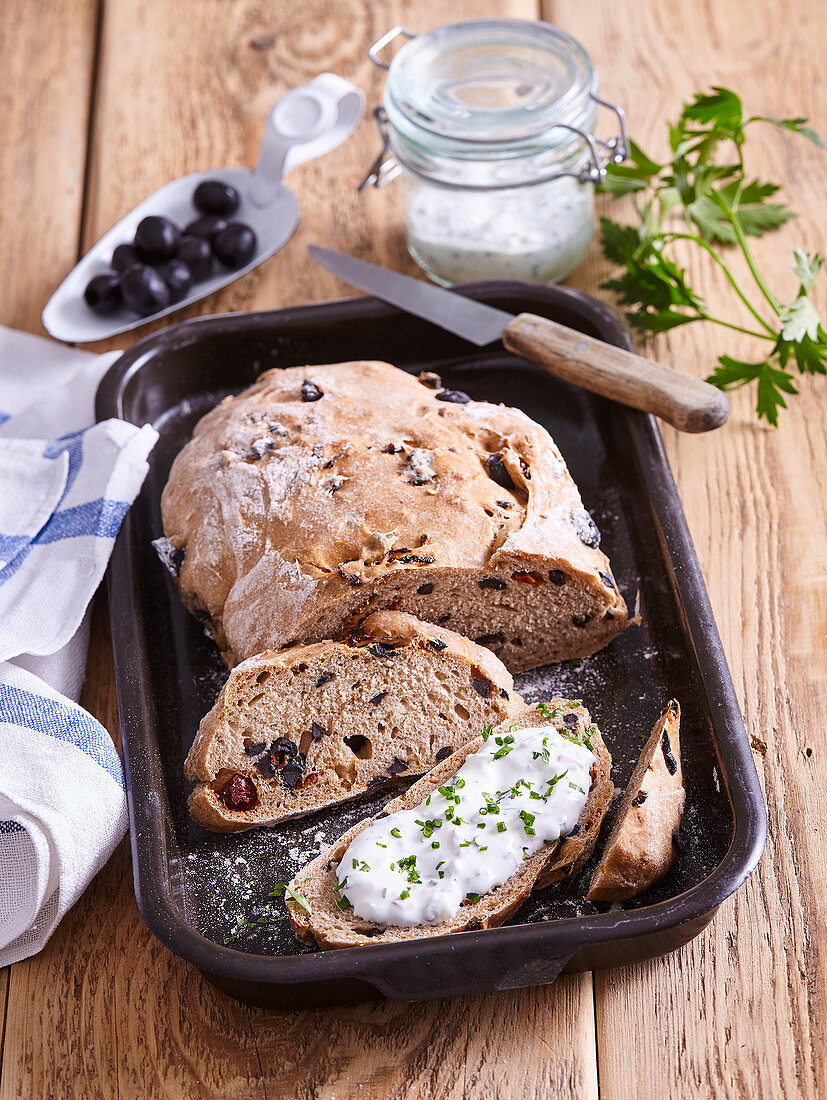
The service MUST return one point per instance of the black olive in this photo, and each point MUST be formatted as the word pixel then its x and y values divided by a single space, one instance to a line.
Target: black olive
pixel 144 290
pixel 453 397
pixel 498 471
pixel 207 226
pixel 492 582
pixel 124 256
pixel 156 238
pixel 216 197
pixel 311 392
pixel 585 527
pixel 196 253
pixel 235 246
pixel 178 278
pixel 103 293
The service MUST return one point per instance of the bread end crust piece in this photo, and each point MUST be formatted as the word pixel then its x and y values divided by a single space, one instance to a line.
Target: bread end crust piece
pixel 306 727
pixel 330 927
pixel 640 849
pixel 323 493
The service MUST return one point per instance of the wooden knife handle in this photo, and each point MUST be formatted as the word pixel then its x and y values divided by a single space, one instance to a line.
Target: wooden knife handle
pixel 684 402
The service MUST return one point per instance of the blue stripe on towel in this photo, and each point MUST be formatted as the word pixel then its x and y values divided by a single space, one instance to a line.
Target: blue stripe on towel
pixel 72 444
pixel 11 545
pixel 99 518
pixel 65 723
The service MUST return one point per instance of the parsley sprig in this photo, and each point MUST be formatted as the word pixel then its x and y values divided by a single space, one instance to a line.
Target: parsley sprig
pixel 704 196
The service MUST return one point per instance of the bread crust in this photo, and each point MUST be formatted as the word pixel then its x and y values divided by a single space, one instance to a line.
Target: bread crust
pixel 329 927
pixel 320 679
pixel 640 850
pixel 293 518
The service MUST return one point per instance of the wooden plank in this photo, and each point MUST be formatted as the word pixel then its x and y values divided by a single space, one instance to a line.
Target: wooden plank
pixel 47 55
pixel 44 107
pixel 121 1015
pixel 526 1043
pixel 741 1011
pixel 4 996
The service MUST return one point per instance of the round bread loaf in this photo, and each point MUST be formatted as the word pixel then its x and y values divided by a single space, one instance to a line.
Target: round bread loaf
pixel 323 493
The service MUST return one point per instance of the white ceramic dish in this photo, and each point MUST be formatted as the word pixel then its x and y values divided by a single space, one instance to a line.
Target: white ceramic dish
pixel 303 124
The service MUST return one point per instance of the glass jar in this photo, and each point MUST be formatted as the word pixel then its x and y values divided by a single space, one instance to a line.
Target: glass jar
pixel 490 124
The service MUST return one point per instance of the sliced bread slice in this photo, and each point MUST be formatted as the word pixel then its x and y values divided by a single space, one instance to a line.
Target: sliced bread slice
pixel 640 849
pixel 295 730
pixel 330 927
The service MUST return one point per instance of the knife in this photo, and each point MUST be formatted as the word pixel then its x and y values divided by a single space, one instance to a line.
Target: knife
pixel 684 402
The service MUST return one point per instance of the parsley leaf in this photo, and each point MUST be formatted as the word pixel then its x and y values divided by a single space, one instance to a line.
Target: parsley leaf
pixel 797 125
pixel 705 186
pixel 800 320
pixel 806 268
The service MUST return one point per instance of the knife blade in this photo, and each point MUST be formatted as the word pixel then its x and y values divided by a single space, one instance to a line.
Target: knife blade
pixel 683 401
pixel 474 321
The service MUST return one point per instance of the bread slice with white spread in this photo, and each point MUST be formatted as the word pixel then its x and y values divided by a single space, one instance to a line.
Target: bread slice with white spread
pixel 324 914
pixel 296 730
pixel 322 493
pixel 640 849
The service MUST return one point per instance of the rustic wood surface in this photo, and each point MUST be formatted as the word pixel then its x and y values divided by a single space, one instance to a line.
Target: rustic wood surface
pixel 101 104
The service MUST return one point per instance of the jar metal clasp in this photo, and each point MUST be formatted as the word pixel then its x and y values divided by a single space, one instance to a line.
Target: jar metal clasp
pixel 384 168
pixel 601 153
pixel 385 40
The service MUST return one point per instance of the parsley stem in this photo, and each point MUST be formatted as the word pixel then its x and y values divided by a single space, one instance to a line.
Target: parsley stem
pixel 740 237
pixel 756 274
pixel 736 328
pixel 732 281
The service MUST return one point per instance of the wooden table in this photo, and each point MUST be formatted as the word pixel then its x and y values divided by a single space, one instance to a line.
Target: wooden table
pixel 103 101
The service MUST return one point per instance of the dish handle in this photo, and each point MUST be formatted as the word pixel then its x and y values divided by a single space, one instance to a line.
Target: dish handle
pixel 304 123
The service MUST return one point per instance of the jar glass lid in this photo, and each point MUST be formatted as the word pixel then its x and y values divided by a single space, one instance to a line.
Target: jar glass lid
pixel 492 80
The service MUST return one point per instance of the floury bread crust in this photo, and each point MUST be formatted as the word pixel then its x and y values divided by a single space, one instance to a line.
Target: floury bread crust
pixel 640 849
pixel 318 724
pixel 323 493
pixel 331 927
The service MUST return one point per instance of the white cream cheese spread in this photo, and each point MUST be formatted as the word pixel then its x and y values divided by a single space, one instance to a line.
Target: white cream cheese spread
pixel 519 792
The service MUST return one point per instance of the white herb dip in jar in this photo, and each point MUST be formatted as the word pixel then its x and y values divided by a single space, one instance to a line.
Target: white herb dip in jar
pixel 491 124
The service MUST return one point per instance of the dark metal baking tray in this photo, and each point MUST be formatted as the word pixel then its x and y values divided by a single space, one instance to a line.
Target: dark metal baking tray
pixel 191 885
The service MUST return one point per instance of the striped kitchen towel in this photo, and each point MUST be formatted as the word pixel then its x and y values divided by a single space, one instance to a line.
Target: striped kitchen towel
pixel 65 486
pixel 62 808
